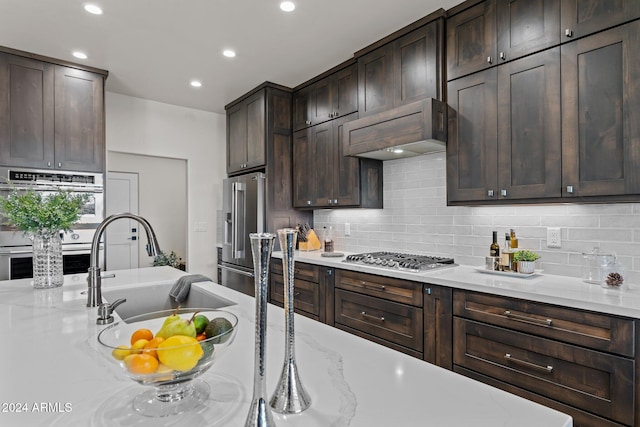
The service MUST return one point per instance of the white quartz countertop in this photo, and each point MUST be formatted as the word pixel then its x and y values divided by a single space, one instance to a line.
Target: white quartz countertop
pixel 560 290
pixel 54 374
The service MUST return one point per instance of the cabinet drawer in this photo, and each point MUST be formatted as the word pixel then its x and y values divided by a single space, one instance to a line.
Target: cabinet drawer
pixel 302 270
pixel 596 382
pixel 397 323
pixel 306 295
pixel 593 330
pixel 378 286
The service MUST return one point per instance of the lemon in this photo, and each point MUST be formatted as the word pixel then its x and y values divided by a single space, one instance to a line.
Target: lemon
pixel 180 352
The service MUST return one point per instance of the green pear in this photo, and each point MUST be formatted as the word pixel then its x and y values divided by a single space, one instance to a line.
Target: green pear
pixel 175 325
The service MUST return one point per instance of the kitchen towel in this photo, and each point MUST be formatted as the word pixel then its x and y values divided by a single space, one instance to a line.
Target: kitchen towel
pixel 181 288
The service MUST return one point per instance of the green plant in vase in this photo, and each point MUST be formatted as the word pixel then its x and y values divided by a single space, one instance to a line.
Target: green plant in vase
pixel 41 217
pixel 525 260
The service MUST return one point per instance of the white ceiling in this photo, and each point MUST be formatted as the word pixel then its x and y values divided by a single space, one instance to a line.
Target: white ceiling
pixel 154 48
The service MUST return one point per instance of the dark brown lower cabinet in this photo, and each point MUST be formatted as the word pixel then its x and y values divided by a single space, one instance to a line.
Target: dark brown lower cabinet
pixel 384 310
pixel 309 295
pixel 438 325
pixel 577 362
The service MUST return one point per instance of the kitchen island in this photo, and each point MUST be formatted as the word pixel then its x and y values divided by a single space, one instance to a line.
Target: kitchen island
pixel 55 374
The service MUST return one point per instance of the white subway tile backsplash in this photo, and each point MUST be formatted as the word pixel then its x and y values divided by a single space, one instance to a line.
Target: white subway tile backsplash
pixel 416 219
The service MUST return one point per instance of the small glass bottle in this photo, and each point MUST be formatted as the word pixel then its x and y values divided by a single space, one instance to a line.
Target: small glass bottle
pixel 507 255
pixel 514 239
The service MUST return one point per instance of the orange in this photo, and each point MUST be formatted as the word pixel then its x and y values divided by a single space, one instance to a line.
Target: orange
pixel 143 364
pixel 141 334
pixel 150 347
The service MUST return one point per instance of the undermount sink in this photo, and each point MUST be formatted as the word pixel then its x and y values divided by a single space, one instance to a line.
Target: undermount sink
pixel 154 298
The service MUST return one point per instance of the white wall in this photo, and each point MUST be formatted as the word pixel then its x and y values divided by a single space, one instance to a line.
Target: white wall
pixel 139 126
pixel 162 200
pixel 416 219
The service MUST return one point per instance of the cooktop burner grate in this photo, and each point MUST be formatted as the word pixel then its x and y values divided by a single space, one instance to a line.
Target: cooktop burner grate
pixel 399 261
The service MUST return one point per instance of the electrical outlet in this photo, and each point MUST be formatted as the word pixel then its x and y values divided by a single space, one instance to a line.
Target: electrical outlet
pixel 347 229
pixel 553 237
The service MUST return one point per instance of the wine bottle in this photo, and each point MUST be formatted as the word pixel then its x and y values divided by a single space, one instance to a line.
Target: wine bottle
pixel 494 249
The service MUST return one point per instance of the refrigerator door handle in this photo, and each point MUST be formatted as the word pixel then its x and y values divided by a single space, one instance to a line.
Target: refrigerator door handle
pixel 235 270
pixel 237 207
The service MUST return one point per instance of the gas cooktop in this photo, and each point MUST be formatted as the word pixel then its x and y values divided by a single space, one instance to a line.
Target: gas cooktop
pixel 400 261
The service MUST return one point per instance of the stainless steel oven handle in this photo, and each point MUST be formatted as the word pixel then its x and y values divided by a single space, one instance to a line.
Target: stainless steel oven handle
pixel 9 252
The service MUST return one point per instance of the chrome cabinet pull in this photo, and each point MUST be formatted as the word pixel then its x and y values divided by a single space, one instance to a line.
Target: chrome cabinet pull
pixel 296 294
pixel 548 369
pixel 49 164
pixel 307 122
pixel 381 318
pixel 503 193
pixel 568 32
pixel 570 189
pixel 489 60
pixel 59 164
pixel 527 319
pixel 490 193
pixel 502 55
pixel 309 202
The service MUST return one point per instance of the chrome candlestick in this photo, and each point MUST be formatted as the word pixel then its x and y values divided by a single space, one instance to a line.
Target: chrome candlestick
pixel 259 412
pixel 289 397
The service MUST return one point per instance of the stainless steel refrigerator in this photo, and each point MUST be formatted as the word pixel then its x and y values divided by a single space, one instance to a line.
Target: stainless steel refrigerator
pixel 244 213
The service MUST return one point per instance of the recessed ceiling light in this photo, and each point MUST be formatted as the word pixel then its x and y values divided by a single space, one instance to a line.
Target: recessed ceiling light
pixel 80 55
pixel 228 53
pixel 196 83
pixel 92 8
pixel 287 6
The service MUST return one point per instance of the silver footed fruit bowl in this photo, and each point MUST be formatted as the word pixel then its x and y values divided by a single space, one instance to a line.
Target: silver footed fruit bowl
pixel 168 350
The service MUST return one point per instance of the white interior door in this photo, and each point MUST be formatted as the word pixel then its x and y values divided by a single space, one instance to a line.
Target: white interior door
pixel 122 235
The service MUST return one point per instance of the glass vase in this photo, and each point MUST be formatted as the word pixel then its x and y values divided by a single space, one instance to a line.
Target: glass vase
pixel 47 261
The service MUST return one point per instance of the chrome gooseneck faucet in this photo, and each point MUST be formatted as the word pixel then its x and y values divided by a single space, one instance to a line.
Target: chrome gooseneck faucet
pixel 94 280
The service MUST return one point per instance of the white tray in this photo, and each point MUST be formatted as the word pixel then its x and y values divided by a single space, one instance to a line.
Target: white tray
pixel 509 273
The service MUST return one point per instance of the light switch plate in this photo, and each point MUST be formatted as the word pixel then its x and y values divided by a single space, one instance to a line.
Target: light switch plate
pixel 553 237
pixel 347 229
pixel 200 226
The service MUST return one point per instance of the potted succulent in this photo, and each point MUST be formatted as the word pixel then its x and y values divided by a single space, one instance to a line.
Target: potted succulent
pixel 525 260
pixel 41 217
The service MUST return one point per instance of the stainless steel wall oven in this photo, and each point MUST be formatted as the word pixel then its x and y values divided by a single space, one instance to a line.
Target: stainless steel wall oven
pixel 16 260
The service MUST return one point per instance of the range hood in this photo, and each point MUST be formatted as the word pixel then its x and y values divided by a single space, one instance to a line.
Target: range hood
pixel 406 131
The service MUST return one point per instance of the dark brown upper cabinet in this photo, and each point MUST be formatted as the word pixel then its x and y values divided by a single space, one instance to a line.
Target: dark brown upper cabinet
pixel 246 135
pixel 471 40
pixel 496 31
pixel 51 116
pixel 529 127
pixel 328 98
pixel 324 178
pixel 580 18
pixel 26 112
pixel 600 114
pixel 526 26
pixel 505 141
pixel 472 150
pixel 402 71
pixel 79 120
